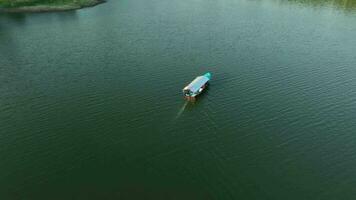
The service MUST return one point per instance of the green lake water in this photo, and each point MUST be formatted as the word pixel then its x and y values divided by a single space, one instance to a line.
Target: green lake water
pixel 91 104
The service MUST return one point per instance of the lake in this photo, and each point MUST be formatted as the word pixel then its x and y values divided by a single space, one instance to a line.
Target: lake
pixel 91 104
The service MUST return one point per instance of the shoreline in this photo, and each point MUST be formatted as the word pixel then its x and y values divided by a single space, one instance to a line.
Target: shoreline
pixel 51 8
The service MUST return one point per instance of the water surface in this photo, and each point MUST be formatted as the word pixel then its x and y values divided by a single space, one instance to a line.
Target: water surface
pixel 91 105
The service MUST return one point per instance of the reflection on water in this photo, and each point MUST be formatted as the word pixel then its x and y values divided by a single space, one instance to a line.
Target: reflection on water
pixel 7 49
pixel 15 17
pixel 346 5
pixel 20 18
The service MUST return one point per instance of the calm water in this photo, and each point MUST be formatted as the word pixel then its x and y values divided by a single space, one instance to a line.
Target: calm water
pixel 91 105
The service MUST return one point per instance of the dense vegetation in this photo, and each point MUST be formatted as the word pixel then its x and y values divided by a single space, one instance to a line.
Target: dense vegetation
pixel 22 3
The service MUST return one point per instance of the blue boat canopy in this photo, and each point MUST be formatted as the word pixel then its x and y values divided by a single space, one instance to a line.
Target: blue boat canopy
pixel 198 82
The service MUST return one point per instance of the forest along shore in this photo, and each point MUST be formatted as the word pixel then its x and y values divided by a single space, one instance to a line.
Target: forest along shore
pixel 45 5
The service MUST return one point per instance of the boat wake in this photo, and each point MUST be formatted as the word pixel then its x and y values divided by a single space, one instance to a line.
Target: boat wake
pixel 181 110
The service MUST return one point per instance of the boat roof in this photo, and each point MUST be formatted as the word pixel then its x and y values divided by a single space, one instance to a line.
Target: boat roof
pixel 197 83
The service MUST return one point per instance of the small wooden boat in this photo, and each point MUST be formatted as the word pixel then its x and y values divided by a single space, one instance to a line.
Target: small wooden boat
pixel 197 86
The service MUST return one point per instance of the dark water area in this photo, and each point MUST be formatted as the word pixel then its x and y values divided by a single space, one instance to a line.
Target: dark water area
pixel 91 104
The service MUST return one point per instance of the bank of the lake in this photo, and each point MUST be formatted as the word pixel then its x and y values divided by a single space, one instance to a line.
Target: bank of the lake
pixel 45 5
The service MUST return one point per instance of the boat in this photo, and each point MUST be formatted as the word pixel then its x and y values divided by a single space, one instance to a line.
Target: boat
pixel 197 86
